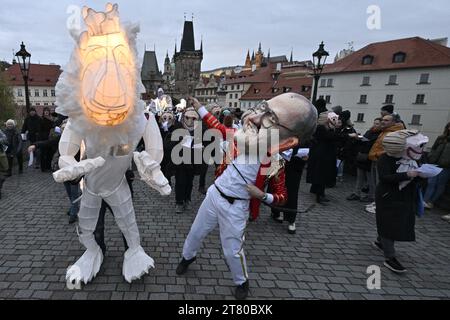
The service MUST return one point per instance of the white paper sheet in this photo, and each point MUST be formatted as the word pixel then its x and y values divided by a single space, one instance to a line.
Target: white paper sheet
pixel 304 152
pixel 429 170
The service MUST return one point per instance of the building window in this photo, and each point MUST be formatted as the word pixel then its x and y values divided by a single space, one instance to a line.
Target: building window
pixel 420 99
pixel 36 92
pixel 236 96
pixel 238 87
pixel 328 99
pixel 235 105
pixel 320 97
pixel 231 105
pixel 367 60
pixel 287 89
pixel 46 104
pixel 366 81
pixel 399 57
pixel 231 96
pixel 305 88
pixel 329 82
pixel 232 87
pixel 275 90
pixel 323 82
pixel 363 99
pixel 19 93
pixel 392 80
pixel 424 78
pixel 360 117
pixel 44 93
pixel 415 120
pixel 389 99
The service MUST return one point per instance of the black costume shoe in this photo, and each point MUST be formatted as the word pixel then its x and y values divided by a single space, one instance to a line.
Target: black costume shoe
pixel 377 245
pixel 322 199
pixel 277 218
pixel 73 219
pixel 241 292
pixel 394 265
pixel 353 197
pixel 184 265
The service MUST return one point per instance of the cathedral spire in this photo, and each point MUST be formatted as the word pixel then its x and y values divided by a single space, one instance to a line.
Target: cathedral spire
pixel 259 48
pixel 268 55
pixel 292 56
pixel 248 62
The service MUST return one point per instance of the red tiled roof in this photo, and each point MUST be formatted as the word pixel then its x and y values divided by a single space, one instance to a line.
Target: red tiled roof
pixel 41 75
pixel 260 75
pixel 420 53
pixel 265 91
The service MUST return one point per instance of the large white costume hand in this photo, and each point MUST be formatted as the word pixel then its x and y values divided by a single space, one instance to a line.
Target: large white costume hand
pixel 78 170
pixel 150 172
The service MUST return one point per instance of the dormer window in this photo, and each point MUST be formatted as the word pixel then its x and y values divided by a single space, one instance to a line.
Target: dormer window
pixel 399 57
pixel 367 60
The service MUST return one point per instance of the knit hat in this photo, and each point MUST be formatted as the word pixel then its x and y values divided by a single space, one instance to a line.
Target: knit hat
pixel 344 116
pixel 389 108
pixel 395 142
pixel 337 109
pixel 10 122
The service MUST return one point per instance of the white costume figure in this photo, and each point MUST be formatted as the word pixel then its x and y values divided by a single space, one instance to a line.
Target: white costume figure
pixel 240 187
pixel 99 92
pixel 161 104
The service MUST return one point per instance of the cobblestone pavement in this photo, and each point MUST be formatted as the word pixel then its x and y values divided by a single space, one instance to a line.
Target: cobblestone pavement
pixel 326 259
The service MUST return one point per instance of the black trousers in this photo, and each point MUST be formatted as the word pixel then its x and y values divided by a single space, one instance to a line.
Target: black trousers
pixel 293 171
pixel 203 172
pixel 318 189
pixel 184 181
pixel 11 161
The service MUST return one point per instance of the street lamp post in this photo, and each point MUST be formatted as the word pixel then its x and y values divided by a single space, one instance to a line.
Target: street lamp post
pixel 23 56
pixel 319 59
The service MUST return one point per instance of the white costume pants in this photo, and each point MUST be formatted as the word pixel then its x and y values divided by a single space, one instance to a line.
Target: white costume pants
pixel 232 220
pixel 121 204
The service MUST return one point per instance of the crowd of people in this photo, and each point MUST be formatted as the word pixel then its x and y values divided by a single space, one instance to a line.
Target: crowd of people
pixel 384 159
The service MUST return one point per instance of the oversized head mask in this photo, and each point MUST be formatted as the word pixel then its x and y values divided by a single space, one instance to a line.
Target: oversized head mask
pixel 190 119
pixel 272 124
pixel 107 68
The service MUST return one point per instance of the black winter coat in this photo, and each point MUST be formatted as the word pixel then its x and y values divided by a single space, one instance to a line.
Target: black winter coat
pixel 46 126
pixel 14 142
pixel 395 209
pixel 364 148
pixel 33 126
pixel 322 157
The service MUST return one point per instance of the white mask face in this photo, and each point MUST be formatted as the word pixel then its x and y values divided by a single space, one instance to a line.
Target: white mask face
pixel 415 146
pixel 332 120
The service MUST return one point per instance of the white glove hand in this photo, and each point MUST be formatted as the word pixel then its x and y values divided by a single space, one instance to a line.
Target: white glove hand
pixel 78 170
pixel 150 172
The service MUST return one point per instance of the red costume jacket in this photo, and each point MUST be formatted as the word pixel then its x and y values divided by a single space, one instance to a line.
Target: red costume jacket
pixel 275 182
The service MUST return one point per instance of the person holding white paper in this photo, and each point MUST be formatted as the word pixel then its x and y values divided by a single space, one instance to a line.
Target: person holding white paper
pixel 398 195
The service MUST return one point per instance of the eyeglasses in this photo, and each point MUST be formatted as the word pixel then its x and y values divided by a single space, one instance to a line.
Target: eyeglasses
pixel 269 118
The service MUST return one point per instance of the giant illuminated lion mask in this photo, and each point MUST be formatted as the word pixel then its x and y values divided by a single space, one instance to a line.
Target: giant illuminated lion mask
pixel 107 65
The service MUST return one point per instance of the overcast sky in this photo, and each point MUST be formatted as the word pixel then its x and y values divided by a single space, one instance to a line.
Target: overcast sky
pixel 229 28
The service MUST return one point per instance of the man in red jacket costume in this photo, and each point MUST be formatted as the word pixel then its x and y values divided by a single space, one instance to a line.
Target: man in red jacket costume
pixel 239 187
